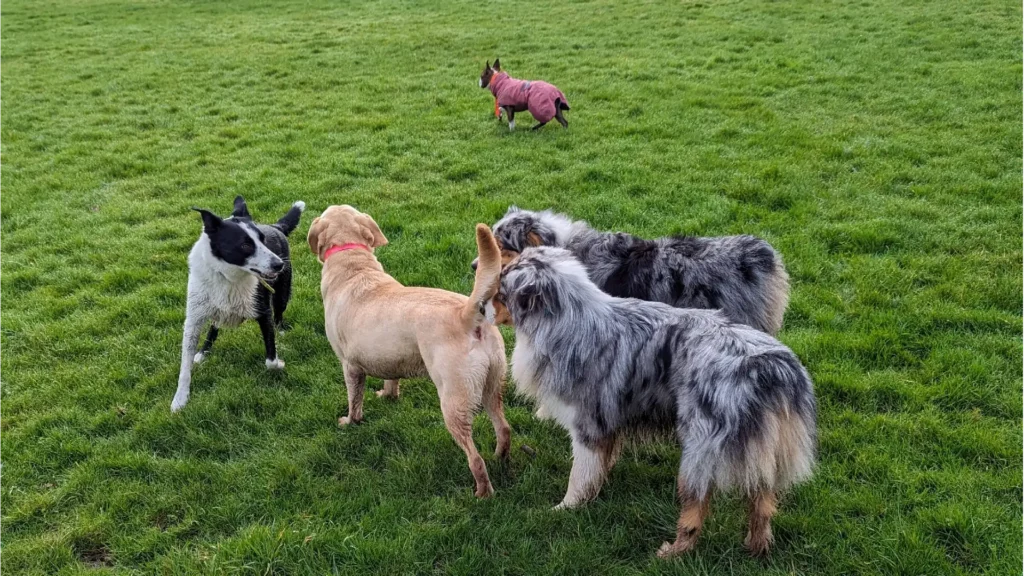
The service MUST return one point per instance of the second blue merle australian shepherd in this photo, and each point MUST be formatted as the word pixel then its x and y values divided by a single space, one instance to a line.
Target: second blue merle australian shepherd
pixel 739 403
pixel 741 275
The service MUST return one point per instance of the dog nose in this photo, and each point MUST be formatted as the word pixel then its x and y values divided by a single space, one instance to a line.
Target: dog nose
pixel 277 265
pixel 474 263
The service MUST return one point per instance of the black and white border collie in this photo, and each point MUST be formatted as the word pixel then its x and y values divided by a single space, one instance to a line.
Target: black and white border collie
pixel 236 270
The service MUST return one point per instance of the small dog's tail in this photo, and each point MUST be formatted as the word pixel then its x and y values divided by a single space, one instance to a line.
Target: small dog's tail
pixel 488 274
pixel 289 221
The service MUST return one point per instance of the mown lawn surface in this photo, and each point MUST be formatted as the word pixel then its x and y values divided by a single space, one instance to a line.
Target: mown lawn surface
pixel 876 144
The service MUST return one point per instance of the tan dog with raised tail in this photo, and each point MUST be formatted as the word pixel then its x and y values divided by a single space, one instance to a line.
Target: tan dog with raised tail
pixel 380 328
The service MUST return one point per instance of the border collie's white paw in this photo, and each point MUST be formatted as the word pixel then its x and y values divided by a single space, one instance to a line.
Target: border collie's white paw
pixel 199 357
pixel 275 364
pixel 179 402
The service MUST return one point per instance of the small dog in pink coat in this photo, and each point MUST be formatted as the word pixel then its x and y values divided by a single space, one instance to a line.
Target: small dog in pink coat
pixel 543 100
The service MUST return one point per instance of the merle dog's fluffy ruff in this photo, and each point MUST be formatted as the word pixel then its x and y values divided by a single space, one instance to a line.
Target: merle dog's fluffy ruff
pixel 739 402
pixel 229 267
pixel 741 275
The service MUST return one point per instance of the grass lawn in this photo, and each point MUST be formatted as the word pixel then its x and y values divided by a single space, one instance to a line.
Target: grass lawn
pixel 876 144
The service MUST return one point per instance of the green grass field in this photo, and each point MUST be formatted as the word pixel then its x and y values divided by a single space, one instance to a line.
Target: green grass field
pixel 876 144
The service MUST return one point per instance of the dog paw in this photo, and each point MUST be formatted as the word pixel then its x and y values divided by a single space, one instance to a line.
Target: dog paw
pixel 758 545
pixel 275 364
pixel 511 126
pixel 198 358
pixel 484 492
pixel 345 421
pixel 667 551
pixel 179 402
pixel 386 394
pixel 566 505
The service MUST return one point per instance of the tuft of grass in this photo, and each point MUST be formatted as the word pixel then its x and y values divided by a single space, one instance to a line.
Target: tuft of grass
pixel 876 144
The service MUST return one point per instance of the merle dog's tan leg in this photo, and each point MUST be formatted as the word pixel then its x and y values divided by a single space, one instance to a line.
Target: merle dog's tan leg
pixel 691 520
pixel 759 534
pixel 355 383
pixel 390 389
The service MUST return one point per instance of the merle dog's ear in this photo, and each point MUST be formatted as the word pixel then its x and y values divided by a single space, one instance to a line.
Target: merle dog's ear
pixel 211 222
pixel 536 296
pixel 497 64
pixel 513 209
pixel 241 210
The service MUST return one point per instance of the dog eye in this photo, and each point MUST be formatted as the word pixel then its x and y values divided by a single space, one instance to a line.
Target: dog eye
pixel 247 246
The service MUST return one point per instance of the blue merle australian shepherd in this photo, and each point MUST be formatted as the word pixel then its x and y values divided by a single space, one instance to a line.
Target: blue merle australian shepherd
pixel 741 275
pixel 739 403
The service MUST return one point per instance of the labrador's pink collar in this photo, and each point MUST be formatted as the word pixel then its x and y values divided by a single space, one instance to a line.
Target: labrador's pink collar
pixel 343 247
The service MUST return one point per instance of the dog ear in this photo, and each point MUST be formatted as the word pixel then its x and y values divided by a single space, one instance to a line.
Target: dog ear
pixel 313 236
pixel 211 222
pixel 513 209
pixel 241 210
pixel 534 239
pixel 487 65
pixel 497 64
pixel 376 237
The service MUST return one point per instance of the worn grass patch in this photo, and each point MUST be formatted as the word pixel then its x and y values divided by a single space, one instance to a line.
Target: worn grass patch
pixel 876 144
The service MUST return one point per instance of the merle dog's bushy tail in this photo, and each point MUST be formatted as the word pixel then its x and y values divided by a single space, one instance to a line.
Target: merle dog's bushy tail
pixel 773 445
pixel 289 221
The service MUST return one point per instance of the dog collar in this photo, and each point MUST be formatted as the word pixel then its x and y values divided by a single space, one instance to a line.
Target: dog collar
pixel 343 247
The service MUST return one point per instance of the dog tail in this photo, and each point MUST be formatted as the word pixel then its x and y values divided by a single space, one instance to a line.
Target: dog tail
pixel 289 221
pixel 488 274
pixel 774 444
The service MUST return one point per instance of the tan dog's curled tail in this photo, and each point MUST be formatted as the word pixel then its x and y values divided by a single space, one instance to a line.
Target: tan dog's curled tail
pixel 488 275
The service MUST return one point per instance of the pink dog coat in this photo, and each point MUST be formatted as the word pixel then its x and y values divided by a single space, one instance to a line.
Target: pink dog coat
pixel 536 96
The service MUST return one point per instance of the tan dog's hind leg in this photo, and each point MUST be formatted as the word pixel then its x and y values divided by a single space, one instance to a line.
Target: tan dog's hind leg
pixel 691 521
pixel 459 421
pixel 759 535
pixel 496 412
pixel 355 382
pixel 390 389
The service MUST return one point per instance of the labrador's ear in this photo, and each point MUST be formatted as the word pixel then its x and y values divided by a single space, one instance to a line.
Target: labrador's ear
pixel 313 236
pixel 211 222
pixel 376 237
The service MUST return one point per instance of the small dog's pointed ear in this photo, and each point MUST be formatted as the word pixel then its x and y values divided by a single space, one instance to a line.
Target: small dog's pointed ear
pixel 211 222
pixel 241 210
pixel 487 65
pixel 497 64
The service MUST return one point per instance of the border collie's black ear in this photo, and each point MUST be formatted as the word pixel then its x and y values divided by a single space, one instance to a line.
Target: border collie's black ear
pixel 241 210
pixel 211 222
pixel 497 64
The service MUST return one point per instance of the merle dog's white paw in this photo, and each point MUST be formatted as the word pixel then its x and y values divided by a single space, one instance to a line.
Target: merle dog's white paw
pixel 275 364
pixel 179 402
pixel 198 358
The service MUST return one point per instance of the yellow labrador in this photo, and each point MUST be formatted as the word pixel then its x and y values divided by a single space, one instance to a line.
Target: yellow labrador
pixel 380 328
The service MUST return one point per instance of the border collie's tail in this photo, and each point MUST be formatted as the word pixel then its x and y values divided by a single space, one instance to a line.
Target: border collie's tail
pixel 289 221
pixel 488 274
pixel 561 104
